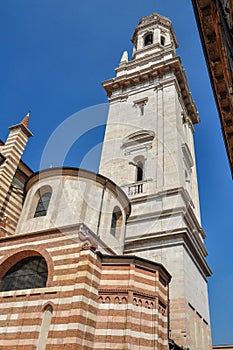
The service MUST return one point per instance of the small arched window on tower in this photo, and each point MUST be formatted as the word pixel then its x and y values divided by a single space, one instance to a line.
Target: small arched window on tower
pixel 162 40
pixel 148 40
pixel 116 222
pixel 43 204
pixel 139 170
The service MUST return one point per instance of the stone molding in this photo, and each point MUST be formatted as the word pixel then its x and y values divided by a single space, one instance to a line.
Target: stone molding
pixel 160 69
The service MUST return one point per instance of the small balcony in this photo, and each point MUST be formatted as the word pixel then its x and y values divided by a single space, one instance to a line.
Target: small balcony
pixel 137 188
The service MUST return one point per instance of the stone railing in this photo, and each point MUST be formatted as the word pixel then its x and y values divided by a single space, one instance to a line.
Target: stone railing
pixel 136 188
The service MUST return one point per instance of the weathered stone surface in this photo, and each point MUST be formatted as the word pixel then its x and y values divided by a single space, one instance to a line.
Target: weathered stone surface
pixel 150 96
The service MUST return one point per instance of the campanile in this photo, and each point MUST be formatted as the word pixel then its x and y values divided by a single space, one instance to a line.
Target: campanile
pixel 149 151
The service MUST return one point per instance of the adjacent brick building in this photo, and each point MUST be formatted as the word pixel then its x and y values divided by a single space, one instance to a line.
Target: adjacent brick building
pixel 215 24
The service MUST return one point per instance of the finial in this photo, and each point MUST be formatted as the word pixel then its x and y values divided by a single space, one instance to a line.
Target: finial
pixel 23 125
pixel 26 119
pixel 125 57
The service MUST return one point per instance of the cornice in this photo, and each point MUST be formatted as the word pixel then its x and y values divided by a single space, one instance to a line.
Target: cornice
pixel 212 27
pixel 165 239
pixel 26 131
pixel 157 70
pixel 135 260
pixel 147 59
pixel 123 290
pixel 84 235
pixel 193 231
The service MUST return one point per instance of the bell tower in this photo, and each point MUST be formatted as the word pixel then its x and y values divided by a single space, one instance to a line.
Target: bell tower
pixel 149 151
pixel 11 183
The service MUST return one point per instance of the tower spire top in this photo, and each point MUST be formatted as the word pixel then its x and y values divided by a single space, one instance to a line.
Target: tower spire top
pixel 25 120
pixel 23 125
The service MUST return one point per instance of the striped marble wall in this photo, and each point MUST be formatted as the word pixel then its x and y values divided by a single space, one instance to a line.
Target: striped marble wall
pixel 90 301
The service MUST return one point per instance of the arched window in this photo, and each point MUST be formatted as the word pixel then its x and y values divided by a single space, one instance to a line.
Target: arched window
pixel 116 221
pixel 44 331
pixel 43 204
pixel 162 40
pixel 31 272
pixel 139 168
pixel 148 40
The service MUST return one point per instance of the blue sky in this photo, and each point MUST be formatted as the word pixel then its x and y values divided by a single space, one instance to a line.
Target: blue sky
pixel 54 55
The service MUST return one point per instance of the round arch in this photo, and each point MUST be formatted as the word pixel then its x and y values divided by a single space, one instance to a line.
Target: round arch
pixel 19 254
